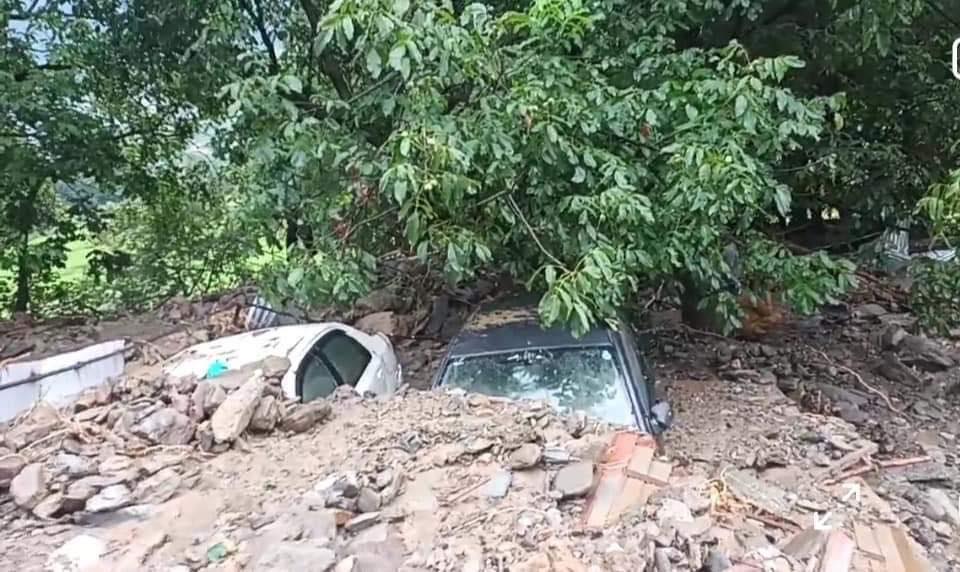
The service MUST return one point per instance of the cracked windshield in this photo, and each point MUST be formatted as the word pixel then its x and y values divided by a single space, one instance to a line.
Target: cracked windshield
pixel 584 379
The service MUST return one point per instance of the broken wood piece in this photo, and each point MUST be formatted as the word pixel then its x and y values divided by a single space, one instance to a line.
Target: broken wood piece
pixel 889 464
pixel 640 462
pixel 847 461
pixel 604 498
pixel 634 495
pixel 908 557
pixel 659 473
pixel 888 547
pixel 838 554
pixel 867 542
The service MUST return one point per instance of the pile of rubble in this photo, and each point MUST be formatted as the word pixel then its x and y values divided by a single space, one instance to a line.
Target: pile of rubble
pixel 152 475
pixel 134 441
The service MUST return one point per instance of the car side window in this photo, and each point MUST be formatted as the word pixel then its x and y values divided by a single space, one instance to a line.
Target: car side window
pixel 348 358
pixel 316 378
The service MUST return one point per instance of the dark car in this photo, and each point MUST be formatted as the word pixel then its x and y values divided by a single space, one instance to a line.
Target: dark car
pixel 503 351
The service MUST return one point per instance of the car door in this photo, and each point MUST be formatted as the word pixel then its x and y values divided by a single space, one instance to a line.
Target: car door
pixel 335 359
pixel 637 363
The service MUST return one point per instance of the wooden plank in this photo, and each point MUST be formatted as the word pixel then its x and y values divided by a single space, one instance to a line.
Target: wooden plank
pixel 863 563
pixel 838 554
pixel 867 542
pixel 620 450
pixel 634 495
pixel 847 461
pixel 911 562
pixel 888 547
pixel 640 462
pixel 659 473
pixel 608 490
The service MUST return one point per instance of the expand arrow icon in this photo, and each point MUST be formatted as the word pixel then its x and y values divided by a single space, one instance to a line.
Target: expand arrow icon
pixel 853 490
pixel 822 522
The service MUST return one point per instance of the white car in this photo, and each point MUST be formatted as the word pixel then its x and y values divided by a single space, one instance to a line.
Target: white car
pixel 322 357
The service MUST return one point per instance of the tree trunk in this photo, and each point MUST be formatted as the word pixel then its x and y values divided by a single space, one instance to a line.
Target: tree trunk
pixel 22 301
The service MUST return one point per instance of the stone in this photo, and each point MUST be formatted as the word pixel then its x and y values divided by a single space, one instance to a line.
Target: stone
pixel 362 521
pixel 499 484
pixel 158 488
pixel 673 511
pixel 109 499
pixel 213 397
pixel 698 526
pixel 50 507
pixel 266 416
pixel 275 366
pixel 73 466
pixel 378 322
pixel 381 300
pixel 79 553
pixel 525 457
pixel 574 480
pixel 198 402
pixel 231 419
pixel 943 529
pixel 296 557
pixel 37 424
pixel 10 467
pixel 29 487
pixel 348 564
pixel 698 502
pixel 805 544
pixel 942 499
pixel 870 311
pixel 304 417
pixel 368 500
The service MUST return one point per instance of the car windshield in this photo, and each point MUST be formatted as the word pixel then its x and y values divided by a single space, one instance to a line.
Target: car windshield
pixel 587 379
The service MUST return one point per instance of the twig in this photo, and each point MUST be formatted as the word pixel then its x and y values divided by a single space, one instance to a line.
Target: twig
pixel 533 234
pixel 848 460
pixel 859 379
pixel 891 464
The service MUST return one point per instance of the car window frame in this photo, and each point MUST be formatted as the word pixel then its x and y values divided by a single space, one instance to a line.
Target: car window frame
pixel 317 350
pixel 642 367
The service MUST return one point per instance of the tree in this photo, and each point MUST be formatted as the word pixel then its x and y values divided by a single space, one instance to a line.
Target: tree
pixel 575 144
pixel 89 92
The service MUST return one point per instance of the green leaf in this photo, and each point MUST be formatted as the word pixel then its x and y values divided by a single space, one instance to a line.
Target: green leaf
pixel 293 83
pixel 550 275
pixel 397 56
pixel 405 146
pixel 400 7
pixel 740 105
pixel 374 63
pixel 295 277
pixel 347 26
pixel 400 191
pixel 552 133
pixel 692 112
pixel 579 175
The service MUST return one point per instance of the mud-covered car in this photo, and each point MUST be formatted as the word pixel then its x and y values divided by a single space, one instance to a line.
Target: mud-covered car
pixel 503 351
pixel 322 357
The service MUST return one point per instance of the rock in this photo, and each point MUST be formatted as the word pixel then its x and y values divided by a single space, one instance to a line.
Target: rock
pixel 39 423
pixel 198 401
pixel 110 498
pixel 50 507
pixel 275 366
pixel 892 336
pixel 673 511
pixel 368 500
pixel 698 502
pixel 381 300
pixel 362 521
pixel 805 544
pixel 717 562
pixel 231 419
pixel 870 311
pixel 939 501
pixel 348 564
pixel 296 557
pixel 73 466
pixel 213 397
pixel 159 488
pixel 266 416
pixel 10 467
pixel 304 417
pixel 943 529
pixel 574 480
pixel 79 554
pixel 382 322
pixel 384 479
pixel 525 457
pixel 499 484
pixel 29 487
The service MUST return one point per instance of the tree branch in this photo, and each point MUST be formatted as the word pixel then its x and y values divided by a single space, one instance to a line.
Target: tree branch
pixel 255 11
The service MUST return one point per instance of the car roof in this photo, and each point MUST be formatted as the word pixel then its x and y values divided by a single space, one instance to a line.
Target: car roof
pixel 513 324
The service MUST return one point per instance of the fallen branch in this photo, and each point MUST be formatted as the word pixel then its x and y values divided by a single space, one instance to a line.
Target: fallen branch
pixel 891 464
pixel 847 461
pixel 859 379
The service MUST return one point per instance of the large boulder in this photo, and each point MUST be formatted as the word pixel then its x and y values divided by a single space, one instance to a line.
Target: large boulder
pixel 166 427
pixel 231 419
pixel 303 417
pixel 30 486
